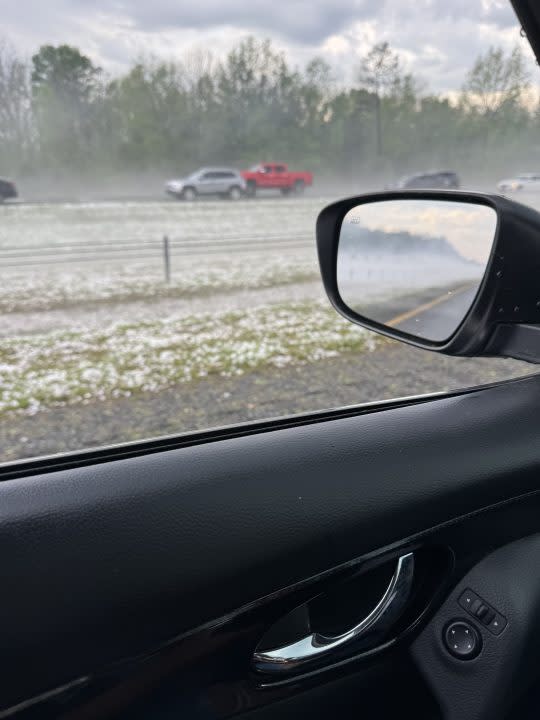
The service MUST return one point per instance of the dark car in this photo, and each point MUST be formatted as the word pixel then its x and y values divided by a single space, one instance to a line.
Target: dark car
pixel 8 189
pixel 441 179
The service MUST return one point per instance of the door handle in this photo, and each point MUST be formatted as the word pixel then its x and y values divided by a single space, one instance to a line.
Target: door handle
pixel 376 624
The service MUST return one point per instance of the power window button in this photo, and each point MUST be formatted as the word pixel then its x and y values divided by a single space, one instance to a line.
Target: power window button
pixel 469 601
pixel 485 614
pixel 497 624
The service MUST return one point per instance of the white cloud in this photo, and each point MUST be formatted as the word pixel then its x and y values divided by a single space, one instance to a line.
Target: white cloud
pixel 437 39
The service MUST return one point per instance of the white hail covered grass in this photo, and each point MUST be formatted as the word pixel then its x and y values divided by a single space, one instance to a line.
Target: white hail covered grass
pixel 45 289
pixel 68 367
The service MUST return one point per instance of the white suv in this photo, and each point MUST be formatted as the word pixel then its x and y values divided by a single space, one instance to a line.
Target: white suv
pixel 223 182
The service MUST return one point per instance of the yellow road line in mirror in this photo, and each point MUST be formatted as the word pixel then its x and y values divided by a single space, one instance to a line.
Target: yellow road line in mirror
pixel 426 306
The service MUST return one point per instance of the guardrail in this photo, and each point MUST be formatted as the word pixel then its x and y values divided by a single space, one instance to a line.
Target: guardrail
pixel 167 248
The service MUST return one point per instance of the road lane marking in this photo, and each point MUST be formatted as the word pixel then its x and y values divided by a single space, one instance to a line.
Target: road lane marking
pixel 426 306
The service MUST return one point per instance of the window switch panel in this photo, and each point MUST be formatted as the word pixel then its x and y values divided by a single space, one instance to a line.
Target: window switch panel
pixel 482 611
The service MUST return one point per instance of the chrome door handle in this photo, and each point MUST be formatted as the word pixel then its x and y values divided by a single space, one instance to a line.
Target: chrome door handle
pixel 377 623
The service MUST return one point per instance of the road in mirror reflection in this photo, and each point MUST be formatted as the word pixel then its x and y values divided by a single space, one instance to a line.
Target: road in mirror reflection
pixel 415 265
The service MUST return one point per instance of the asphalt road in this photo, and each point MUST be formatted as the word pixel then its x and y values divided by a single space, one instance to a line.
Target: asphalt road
pixel 437 319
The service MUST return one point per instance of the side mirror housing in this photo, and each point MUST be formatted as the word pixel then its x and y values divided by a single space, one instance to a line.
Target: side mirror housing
pixel 453 272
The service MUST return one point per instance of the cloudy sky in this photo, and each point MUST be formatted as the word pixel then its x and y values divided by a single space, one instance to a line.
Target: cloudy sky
pixel 437 39
pixel 470 229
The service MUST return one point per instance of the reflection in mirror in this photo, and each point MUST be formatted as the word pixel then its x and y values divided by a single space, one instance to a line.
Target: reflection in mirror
pixel 414 264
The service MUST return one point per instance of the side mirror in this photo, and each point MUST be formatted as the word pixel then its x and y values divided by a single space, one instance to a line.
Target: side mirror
pixel 454 272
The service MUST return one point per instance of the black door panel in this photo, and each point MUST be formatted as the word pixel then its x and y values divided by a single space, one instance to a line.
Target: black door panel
pixel 207 673
pixel 498 603
pixel 120 557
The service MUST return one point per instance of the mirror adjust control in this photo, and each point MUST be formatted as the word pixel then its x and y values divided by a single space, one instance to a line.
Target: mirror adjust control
pixel 478 608
pixel 462 640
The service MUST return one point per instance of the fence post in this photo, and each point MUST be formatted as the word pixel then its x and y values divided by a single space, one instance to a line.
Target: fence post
pixel 167 259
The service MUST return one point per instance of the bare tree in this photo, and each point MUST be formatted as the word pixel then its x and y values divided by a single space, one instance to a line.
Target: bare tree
pixel 379 71
pixel 16 132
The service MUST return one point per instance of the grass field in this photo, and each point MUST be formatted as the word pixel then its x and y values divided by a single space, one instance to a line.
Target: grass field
pixel 77 366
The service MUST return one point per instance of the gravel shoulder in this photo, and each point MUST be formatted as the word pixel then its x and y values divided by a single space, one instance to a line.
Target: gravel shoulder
pixel 392 370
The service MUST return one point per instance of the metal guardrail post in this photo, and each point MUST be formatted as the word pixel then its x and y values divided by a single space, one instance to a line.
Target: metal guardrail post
pixel 167 259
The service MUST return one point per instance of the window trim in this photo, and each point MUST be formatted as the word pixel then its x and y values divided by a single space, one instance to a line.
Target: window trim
pixel 26 467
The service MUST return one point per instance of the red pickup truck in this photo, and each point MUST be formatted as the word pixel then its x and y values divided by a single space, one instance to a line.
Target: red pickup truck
pixel 278 176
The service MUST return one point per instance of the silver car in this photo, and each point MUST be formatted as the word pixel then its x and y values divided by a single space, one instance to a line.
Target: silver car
pixel 526 182
pixel 224 182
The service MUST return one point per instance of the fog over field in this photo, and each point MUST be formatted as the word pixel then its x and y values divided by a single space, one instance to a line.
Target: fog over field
pixel 72 129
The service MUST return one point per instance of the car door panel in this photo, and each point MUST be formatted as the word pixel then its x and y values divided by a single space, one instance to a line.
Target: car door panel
pixel 122 556
pixel 269 176
pixel 222 182
pixel 214 692
pixel 207 184
pixel 205 674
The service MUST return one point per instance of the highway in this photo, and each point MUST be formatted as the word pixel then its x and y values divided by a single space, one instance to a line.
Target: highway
pixel 437 319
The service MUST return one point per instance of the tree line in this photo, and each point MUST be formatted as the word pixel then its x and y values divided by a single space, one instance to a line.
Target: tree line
pixel 61 113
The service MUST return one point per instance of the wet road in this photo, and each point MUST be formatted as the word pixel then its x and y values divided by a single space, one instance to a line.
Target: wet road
pixel 437 319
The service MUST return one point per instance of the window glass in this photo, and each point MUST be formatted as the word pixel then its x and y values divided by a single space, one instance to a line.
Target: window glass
pixel 131 304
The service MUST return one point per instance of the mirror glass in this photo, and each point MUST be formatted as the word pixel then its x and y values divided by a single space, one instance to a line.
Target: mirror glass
pixel 414 264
